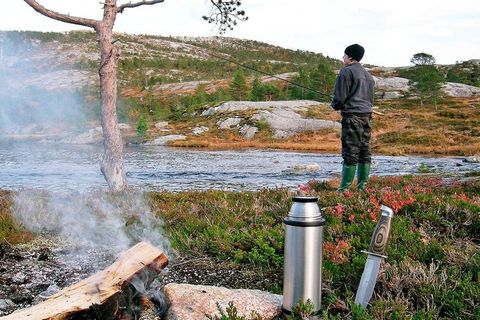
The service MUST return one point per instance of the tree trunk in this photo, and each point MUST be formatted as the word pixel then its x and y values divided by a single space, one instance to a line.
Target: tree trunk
pixel 111 164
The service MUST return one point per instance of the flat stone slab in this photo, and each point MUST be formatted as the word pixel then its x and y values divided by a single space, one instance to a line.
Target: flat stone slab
pixel 191 302
pixel 240 106
pixel 160 141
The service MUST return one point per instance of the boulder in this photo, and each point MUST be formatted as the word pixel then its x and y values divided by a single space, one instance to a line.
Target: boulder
pixel 248 132
pixel 199 130
pixel 313 167
pixel 392 84
pixel 191 302
pixel 286 123
pixel 161 125
pixel 242 106
pixel 163 140
pixel 460 90
pixel 472 159
pixel 474 61
pixel 229 123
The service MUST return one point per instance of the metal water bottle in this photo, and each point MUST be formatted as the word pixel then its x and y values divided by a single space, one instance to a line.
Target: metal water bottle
pixel 302 273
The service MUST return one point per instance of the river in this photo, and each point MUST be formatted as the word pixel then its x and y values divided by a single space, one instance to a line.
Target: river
pixel 63 167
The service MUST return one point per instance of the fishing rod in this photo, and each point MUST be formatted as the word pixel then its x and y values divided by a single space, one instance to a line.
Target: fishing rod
pixel 210 52
pixel 270 75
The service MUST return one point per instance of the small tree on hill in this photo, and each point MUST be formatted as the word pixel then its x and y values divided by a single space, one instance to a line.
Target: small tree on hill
pixel 302 79
pixel 428 81
pixel 238 87
pixel 264 91
pixel 322 80
pixel 257 90
pixel 422 59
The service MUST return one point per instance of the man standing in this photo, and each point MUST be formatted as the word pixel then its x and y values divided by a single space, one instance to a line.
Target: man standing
pixel 353 97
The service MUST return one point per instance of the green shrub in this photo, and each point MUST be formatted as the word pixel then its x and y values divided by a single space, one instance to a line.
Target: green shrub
pixel 142 127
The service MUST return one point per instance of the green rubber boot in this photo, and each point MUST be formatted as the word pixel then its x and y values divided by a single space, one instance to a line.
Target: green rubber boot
pixel 348 174
pixel 362 175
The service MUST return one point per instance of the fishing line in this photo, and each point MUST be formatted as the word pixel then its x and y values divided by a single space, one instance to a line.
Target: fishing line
pixel 210 52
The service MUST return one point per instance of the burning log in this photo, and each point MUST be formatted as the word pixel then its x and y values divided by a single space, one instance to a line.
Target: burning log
pixel 135 267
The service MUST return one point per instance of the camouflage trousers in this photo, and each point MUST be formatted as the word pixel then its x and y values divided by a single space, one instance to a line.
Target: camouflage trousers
pixel 356 133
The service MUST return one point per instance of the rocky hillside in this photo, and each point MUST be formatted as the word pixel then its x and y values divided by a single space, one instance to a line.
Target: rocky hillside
pixel 175 88
pixel 178 65
pixel 57 60
pixel 48 76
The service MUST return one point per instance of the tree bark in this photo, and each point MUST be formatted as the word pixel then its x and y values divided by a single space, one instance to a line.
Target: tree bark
pixel 111 164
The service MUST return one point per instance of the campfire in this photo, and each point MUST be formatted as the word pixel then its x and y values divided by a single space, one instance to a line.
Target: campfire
pixel 118 292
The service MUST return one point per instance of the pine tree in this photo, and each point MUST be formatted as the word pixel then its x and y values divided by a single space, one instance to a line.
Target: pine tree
pixel 302 79
pixel 428 81
pixel 258 93
pixel 322 79
pixel 422 59
pixel 238 87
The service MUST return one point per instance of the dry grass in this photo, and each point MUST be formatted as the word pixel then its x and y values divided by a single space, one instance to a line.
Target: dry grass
pixel 326 141
pixel 10 230
pixel 450 128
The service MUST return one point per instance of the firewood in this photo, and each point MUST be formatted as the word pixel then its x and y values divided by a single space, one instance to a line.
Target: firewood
pixel 140 260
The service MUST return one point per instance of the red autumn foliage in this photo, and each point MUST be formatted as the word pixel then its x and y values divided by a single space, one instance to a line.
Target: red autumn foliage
pixel 336 253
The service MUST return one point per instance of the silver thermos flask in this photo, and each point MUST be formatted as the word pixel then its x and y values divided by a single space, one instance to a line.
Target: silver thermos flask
pixel 302 272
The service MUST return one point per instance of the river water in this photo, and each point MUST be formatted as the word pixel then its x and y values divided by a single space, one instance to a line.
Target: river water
pixel 63 167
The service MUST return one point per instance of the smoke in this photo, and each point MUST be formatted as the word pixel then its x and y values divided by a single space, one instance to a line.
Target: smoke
pixel 101 220
pixel 41 94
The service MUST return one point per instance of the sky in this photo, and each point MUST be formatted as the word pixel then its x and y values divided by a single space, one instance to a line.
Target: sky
pixel 390 31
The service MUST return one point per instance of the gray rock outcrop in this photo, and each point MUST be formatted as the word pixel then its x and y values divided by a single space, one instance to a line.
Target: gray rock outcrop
pixel 286 123
pixel 281 117
pixel 199 130
pixel 391 88
pixel 242 106
pixel 161 125
pixel 474 61
pixel 472 159
pixel 190 302
pixel 163 140
pixel 312 167
pixel 248 132
pixel 392 84
pixel 58 79
pixel 460 90
pixel 229 123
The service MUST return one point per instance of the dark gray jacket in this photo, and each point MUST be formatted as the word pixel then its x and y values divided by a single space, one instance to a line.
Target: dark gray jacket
pixel 353 90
